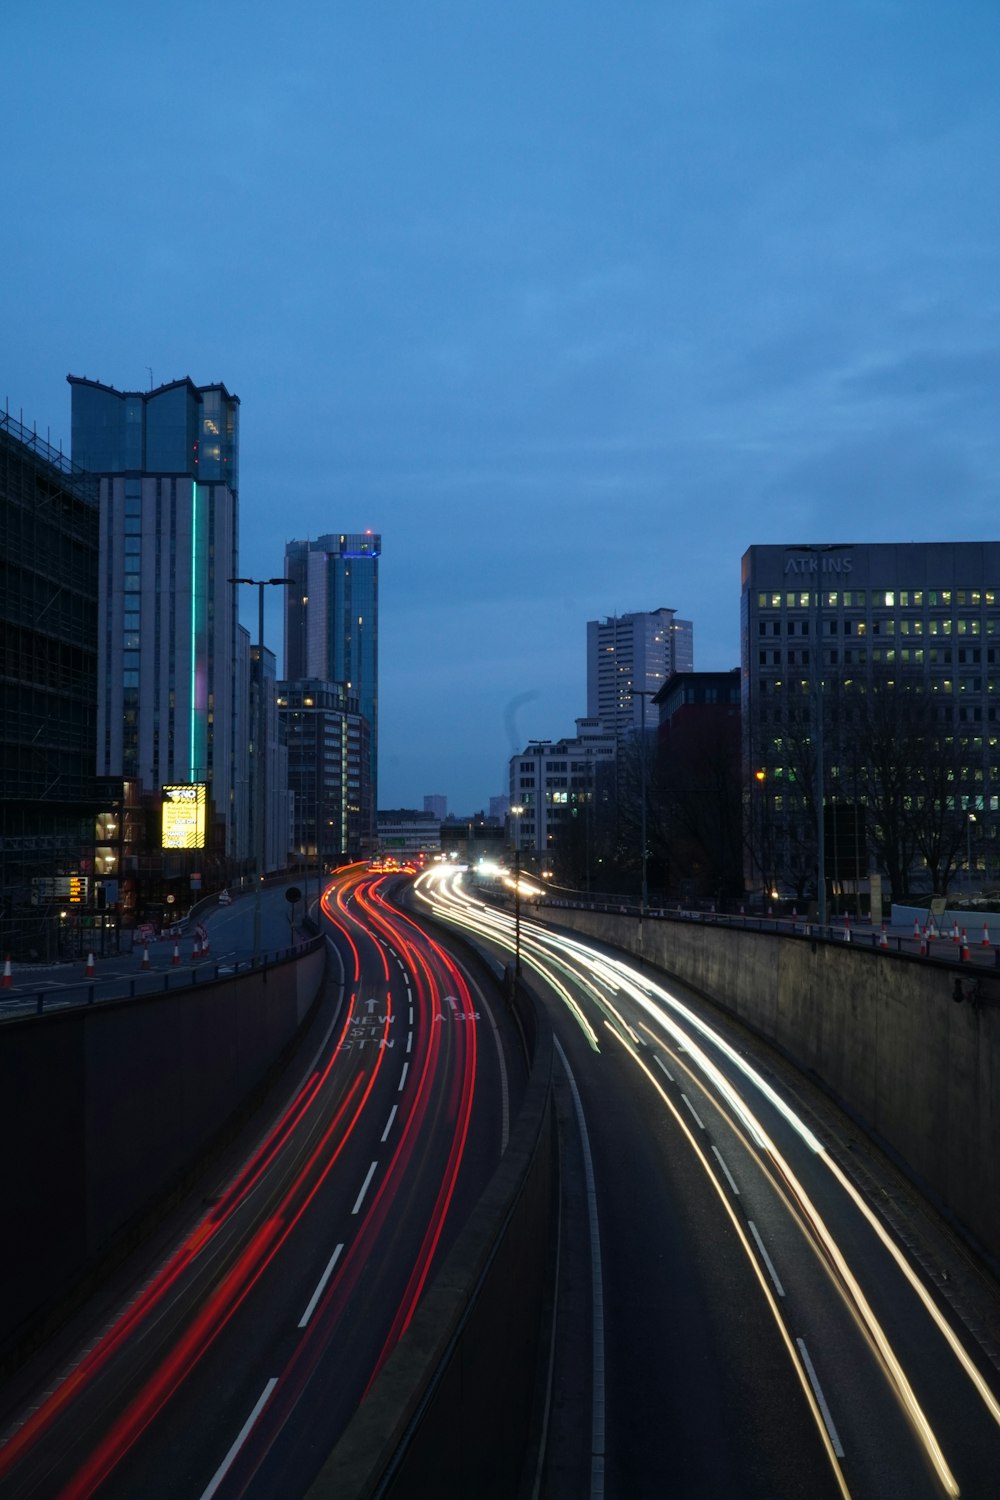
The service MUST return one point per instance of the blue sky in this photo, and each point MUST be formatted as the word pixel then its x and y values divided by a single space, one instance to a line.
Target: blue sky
pixel 572 302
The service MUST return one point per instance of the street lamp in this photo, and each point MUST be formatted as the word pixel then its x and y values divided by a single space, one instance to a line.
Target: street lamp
pixel 260 584
pixel 968 846
pixel 643 694
pixel 517 812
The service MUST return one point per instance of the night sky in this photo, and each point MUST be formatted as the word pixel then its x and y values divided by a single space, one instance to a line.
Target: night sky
pixel 572 302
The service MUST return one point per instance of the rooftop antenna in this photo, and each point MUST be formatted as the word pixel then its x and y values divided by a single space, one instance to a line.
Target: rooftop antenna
pixel 150 369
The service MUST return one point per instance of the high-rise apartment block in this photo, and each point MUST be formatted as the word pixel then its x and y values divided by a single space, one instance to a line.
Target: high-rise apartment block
pixel 168 467
pixel 331 623
pixel 629 658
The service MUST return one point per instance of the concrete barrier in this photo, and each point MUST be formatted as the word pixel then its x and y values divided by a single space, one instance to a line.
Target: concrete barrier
pixel 881 1032
pixel 104 1110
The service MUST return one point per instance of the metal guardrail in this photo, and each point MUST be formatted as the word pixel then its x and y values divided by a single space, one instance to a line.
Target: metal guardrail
pixel 942 950
pixel 144 983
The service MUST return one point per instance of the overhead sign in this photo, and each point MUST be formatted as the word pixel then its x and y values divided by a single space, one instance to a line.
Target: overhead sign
pixel 184 816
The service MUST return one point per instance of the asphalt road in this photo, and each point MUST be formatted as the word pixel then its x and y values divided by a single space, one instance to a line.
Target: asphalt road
pixel 751 1302
pixel 229 1360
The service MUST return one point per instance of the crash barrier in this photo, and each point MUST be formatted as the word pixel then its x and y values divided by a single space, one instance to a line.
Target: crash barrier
pixel 451 1413
pixel 910 1049
pixel 108 1107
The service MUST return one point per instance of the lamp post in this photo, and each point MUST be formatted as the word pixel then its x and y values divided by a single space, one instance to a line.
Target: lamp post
pixel 642 694
pixel 260 584
pixel 517 812
pixel 968 846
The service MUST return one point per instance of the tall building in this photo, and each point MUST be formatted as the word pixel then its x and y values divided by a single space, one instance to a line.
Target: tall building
pixel 331 623
pixel 168 467
pixel 328 761
pixel 873 670
pixel 629 658
pixel 48 685
pixel 436 805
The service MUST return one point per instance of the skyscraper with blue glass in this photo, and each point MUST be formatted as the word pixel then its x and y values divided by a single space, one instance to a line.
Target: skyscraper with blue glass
pixel 168 461
pixel 331 622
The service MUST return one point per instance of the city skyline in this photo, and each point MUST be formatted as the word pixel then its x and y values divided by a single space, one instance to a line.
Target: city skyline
pixel 572 313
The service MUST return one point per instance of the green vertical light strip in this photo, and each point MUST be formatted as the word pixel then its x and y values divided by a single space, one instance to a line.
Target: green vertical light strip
pixel 193 685
pixel 199 648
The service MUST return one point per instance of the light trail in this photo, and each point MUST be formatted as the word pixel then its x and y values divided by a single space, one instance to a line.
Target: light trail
pixel 682 1025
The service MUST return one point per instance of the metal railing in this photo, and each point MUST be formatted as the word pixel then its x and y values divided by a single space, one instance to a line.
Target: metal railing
pixel 143 983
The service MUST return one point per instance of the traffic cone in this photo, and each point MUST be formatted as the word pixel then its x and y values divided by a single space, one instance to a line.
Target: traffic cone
pixel 204 941
pixel 985 943
pixel 196 950
pixel 89 972
pixel 770 912
pixel 916 929
pixel 7 980
pixel 966 955
pixel 923 943
pixel 145 956
pixel 883 941
pixel 954 931
pixel 847 929
pixel 177 955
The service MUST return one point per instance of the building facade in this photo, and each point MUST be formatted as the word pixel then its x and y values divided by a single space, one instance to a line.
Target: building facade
pixel 557 784
pixel 168 467
pixel 48 686
pixel 629 658
pixel 328 749
pixel 331 623
pixel 864 666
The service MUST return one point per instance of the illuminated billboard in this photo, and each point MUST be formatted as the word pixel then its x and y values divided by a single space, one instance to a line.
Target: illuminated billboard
pixel 184 816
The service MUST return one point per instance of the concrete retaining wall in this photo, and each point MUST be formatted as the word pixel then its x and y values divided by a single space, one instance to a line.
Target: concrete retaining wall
pixel 104 1109
pixel 880 1031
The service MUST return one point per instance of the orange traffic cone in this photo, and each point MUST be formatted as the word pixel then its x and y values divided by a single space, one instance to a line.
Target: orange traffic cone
pixel 923 943
pixel 966 955
pixel 196 950
pixel 954 931
pixel 985 943
pixel 7 980
pixel 883 941
pixel 145 956
pixel 89 973
pixel 916 929
pixel 177 955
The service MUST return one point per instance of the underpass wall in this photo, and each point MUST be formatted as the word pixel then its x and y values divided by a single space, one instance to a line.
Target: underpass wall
pixel 104 1109
pixel 881 1032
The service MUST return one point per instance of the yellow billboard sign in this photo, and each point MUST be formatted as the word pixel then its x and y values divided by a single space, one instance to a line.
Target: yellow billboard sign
pixel 184 816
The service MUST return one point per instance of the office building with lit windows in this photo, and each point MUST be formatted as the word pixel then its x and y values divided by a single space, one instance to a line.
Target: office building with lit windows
pixel 876 627
pixel 629 658
pixel 331 624
pixel 167 461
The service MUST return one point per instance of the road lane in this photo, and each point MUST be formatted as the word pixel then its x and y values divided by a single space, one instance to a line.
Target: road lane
pixel 252 1343
pixel 842 1364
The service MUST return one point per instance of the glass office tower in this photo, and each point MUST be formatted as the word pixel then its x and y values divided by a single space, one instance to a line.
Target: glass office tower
pixel 331 621
pixel 167 658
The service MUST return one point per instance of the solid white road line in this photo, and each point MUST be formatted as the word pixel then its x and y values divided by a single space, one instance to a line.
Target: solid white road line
pixel 364 1187
pixel 317 1294
pixel 598 1436
pixel 244 1432
pixel 818 1393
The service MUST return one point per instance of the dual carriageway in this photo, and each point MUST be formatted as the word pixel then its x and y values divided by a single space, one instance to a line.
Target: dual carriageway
pixel 749 1301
